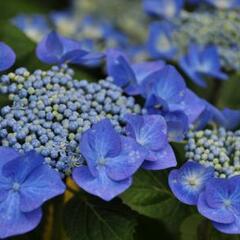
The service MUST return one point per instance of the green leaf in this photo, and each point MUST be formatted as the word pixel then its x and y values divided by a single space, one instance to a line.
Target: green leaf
pixel 16 39
pixel 196 227
pixel 189 227
pixel 229 95
pixel 91 219
pixel 152 229
pixel 150 196
pixel 179 151
pixel 11 8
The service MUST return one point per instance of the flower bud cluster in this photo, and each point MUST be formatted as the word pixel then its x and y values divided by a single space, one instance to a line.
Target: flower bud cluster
pixel 50 110
pixel 218 148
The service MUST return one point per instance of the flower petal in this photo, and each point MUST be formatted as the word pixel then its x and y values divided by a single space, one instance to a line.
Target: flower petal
pixel 7 56
pixel 101 186
pixel 21 167
pixel 127 162
pixel 220 215
pixel 164 159
pixel 41 185
pixel 50 49
pixel 189 181
pixel 232 228
pixel 149 130
pixel 99 142
pixel 13 221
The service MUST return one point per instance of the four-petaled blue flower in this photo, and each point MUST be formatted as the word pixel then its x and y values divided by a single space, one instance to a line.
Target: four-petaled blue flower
pixel 129 76
pixel 150 131
pixel 163 8
pixel 224 4
pixel 165 89
pixel 167 94
pixel 25 184
pixel 111 161
pixel 7 56
pixel 220 202
pixel 56 49
pixel 189 181
pixel 202 62
pixel 160 41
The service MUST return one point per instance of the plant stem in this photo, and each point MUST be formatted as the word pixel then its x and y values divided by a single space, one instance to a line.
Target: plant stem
pixel 57 228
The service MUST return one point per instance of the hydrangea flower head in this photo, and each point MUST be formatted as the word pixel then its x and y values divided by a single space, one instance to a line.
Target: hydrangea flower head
pixel 189 181
pixel 111 161
pixel 160 40
pixel 25 184
pixel 220 203
pixel 7 56
pixel 150 131
pixel 129 76
pixel 56 49
pixel 202 62
pixel 163 8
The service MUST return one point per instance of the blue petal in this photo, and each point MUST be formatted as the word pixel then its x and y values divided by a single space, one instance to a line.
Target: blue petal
pixel 13 221
pixel 143 69
pixel 160 43
pixel 21 167
pixel 234 184
pixel 7 56
pixel 180 181
pixel 192 106
pixel 101 186
pixel 7 154
pixel 70 45
pixel 127 162
pixel 210 58
pixel 220 215
pixel 50 49
pixel 170 86
pixel 54 49
pixel 148 130
pixel 230 4
pixel 177 125
pixel 99 142
pixel 119 68
pixel 164 159
pixel 74 56
pixel 53 44
pixel 232 228
pixel 42 184
pixel 191 72
pixel 80 56
pixel 163 8
pixel 232 118
pixel 217 191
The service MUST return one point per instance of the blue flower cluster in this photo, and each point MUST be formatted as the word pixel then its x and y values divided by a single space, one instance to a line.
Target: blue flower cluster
pixel 217 199
pixel 113 158
pixel 209 178
pixel 163 89
pixel 218 28
pixel 51 110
